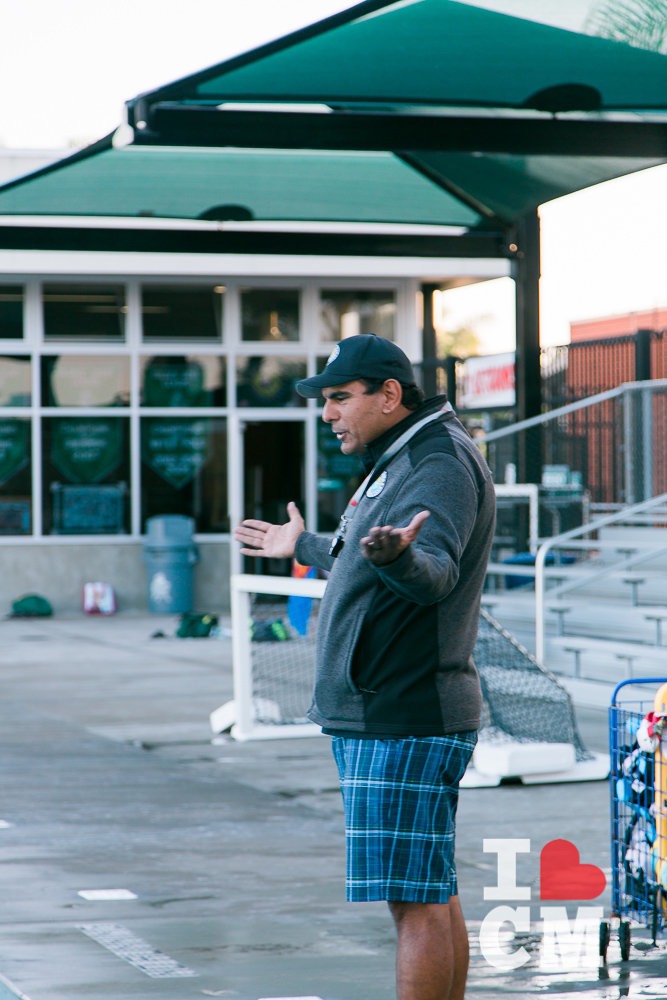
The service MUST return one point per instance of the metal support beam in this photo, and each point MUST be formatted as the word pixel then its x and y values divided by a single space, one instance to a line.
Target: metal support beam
pixel 174 124
pixel 643 444
pixel 643 355
pixel 429 347
pixel 450 378
pixel 528 373
pixel 39 236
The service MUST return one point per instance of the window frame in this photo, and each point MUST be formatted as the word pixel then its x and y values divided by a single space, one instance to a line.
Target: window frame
pixel 230 346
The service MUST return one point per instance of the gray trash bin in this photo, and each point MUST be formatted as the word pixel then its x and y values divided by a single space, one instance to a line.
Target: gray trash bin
pixel 170 556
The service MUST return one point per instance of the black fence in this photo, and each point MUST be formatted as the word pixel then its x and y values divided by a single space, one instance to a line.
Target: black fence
pixel 611 452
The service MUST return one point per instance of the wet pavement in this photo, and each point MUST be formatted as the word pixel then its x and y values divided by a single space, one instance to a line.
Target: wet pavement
pixel 139 859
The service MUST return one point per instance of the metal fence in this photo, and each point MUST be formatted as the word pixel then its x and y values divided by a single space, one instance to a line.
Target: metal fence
pixel 602 452
pixel 601 439
pixel 575 371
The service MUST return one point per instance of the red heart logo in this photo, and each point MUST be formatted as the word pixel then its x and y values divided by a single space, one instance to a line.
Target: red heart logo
pixel 562 876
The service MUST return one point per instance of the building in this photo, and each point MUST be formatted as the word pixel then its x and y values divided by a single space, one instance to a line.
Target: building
pixel 622 325
pixel 604 354
pixel 138 384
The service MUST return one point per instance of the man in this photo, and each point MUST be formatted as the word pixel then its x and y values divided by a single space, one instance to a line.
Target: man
pixel 395 684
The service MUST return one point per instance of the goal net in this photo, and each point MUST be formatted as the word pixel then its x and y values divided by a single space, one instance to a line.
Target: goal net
pixel 522 701
pixel 274 624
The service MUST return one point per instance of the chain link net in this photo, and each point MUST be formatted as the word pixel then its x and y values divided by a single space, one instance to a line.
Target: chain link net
pixel 522 702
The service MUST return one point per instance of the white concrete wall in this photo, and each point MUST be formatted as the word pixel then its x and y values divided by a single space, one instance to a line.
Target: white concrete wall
pixel 59 571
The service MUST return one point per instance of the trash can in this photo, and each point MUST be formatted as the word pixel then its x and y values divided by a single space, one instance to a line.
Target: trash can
pixel 170 556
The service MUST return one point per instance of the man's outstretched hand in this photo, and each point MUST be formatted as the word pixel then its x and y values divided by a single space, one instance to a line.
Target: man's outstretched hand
pixel 274 541
pixel 384 544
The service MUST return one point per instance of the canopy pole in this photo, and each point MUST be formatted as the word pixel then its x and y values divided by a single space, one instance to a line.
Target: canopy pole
pixel 429 346
pixel 528 373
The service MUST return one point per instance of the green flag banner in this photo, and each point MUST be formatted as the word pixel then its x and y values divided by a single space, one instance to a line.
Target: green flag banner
pixel 86 451
pixel 175 449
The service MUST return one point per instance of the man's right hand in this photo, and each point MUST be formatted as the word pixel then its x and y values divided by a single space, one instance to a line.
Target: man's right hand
pixel 274 541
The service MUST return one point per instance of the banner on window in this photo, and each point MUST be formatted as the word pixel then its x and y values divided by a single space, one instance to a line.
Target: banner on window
pixel 175 449
pixel 14 447
pixel 87 450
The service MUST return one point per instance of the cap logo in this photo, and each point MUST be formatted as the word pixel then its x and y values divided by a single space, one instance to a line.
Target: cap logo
pixel 375 489
pixel 334 354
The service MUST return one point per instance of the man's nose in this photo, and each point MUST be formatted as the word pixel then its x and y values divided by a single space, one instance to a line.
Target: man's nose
pixel 328 411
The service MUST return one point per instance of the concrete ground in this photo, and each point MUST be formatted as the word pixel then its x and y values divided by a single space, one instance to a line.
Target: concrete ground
pixel 140 860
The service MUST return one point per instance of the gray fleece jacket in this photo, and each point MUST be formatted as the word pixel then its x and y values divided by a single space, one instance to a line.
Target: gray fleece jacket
pixel 394 643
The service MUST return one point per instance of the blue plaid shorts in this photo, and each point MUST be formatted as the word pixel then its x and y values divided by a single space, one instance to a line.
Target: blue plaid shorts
pixel 400 799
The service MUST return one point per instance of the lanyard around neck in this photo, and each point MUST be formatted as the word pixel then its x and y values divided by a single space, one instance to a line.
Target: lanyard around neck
pixel 380 465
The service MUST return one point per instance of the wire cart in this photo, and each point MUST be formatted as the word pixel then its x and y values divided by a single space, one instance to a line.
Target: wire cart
pixel 638 784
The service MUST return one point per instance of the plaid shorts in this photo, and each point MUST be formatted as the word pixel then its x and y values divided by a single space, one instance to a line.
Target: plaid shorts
pixel 400 799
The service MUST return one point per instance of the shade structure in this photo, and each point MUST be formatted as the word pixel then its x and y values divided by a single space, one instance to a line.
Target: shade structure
pixel 413 113
pixel 502 112
pixel 429 77
pixel 181 182
pixel 458 115
pixel 242 201
pixel 185 183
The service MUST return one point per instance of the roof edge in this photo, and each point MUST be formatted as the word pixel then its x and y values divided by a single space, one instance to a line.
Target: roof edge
pixel 100 146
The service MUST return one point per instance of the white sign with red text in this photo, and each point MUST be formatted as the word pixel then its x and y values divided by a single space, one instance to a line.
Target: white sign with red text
pixel 487 382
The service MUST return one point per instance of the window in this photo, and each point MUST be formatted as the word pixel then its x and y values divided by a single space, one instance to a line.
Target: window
pixel 15 477
pixel 184 470
pixel 84 312
pixel 269 381
pixel 270 314
pixel 183 380
pixel 84 380
pixel 116 403
pixel 85 474
pixel 338 476
pixel 11 312
pixel 15 380
pixel 186 313
pixel 345 313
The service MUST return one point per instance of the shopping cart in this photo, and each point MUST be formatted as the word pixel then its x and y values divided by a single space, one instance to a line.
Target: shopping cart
pixel 638 780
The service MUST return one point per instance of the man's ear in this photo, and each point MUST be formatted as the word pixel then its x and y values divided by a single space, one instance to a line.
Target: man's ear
pixel 393 395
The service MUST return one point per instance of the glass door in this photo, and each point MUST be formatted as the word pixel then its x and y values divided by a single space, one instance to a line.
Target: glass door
pixel 273 474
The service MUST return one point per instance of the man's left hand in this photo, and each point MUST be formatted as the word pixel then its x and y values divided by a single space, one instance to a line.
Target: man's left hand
pixel 382 545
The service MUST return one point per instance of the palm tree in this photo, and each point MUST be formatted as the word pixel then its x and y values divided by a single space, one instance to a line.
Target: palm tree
pixel 639 22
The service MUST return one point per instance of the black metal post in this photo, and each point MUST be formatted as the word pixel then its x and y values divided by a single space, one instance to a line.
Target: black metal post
pixel 429 348
pixel 528 373
pixel 643 355
pixel 449 364
pixel 642 446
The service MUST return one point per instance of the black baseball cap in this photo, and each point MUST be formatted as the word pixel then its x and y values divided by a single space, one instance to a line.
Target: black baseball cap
pixel 363 356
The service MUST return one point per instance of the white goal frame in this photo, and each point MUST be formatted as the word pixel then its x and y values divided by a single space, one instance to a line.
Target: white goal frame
pixel 239 716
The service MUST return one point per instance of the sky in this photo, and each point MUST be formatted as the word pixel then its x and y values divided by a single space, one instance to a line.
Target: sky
pixel 68 66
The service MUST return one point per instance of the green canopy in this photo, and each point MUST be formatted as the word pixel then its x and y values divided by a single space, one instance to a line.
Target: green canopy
pixel 184 183
pixel 433 53
pixel 425 74
pixel 180 182
pixel 428 111
pixel 394 113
